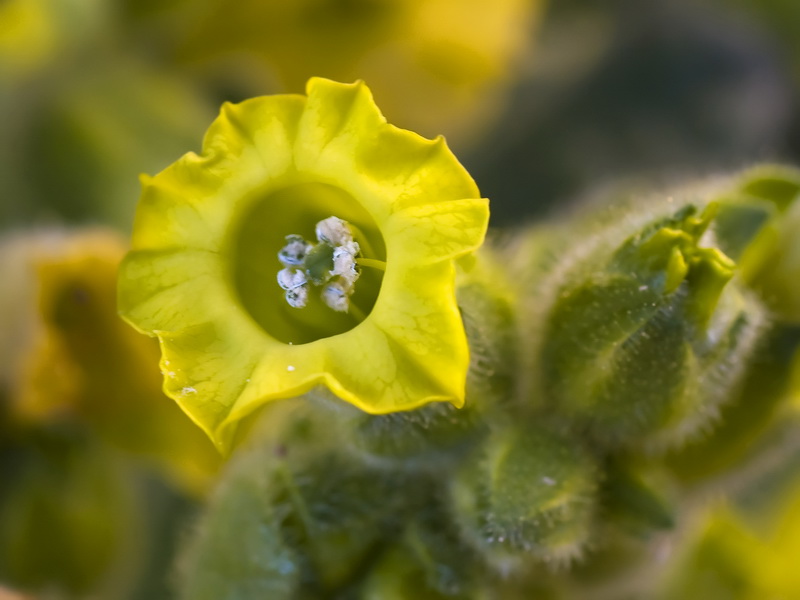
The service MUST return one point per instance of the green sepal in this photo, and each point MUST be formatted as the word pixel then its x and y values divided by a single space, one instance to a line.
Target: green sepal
pixel 419 438
pixel 632 504
pixel 527 495
pixel 642 347
pixel 316 516
pixel 760 218
pixel 667 253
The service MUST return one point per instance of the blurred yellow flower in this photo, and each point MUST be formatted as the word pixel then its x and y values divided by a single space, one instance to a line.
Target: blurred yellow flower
pixel 66 356
pixel 377 324
pixel 732 559
pixel 435 66
pixel 33 32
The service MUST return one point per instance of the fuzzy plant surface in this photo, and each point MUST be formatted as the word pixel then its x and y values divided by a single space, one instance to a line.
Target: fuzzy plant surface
pixel 413 414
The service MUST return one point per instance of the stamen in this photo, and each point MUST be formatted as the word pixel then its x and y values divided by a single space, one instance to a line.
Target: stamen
pixel 295 283
pixel 298 297
pixel 331 264
pixel 336 296
pixel 294 252
pixel 333 231
pixel 344 262
pixel 372 263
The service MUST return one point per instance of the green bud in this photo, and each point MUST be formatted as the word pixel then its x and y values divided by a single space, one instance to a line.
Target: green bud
pixel 643 343
pixel 421 438
pixel 758 223
pixel 631 504
pixel 527 494
pixel 296 518
pixel 744 423
pixel 239 552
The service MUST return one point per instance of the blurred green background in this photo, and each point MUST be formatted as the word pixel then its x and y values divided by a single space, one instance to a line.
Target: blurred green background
pixel 540 102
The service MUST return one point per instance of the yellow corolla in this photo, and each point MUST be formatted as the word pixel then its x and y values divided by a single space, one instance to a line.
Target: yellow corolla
pixel 442 66
pixel 65 357
pixel 310 243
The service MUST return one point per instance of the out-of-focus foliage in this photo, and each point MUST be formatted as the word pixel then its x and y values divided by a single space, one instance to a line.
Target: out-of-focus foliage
pixel 733 556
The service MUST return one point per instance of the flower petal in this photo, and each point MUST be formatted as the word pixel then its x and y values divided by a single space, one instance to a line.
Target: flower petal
pixel 398 378
pixel 424 333
pixel 206 369
pixel 428 233
pixel 154 286
pixel 386 167
pixel 192 202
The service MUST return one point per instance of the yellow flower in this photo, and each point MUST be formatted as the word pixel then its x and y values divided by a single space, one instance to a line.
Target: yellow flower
pixel 35 32
pixel 442 66
pixel 741 556
pixel 66 357
pixel 202 275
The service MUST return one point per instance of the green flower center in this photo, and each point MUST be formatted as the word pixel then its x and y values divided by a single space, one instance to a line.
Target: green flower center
pixel 267 229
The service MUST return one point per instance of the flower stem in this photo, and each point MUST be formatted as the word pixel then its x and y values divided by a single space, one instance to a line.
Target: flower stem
pixel 373 263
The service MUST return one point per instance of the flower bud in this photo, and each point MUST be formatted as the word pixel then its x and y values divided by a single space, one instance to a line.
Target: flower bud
pixel 487 304
pixel 293 518
pixel 527 494
pixel 760 218
pixel 430 561
pixel 644 342
pixel 416 438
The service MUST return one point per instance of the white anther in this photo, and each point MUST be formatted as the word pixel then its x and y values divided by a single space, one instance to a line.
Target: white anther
pixel 297 297
pixel 338 282
pixel 290 279
pixel 333 231
pixel 344 263
pixel 296 286
pixel 336 296
pixel 294 252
